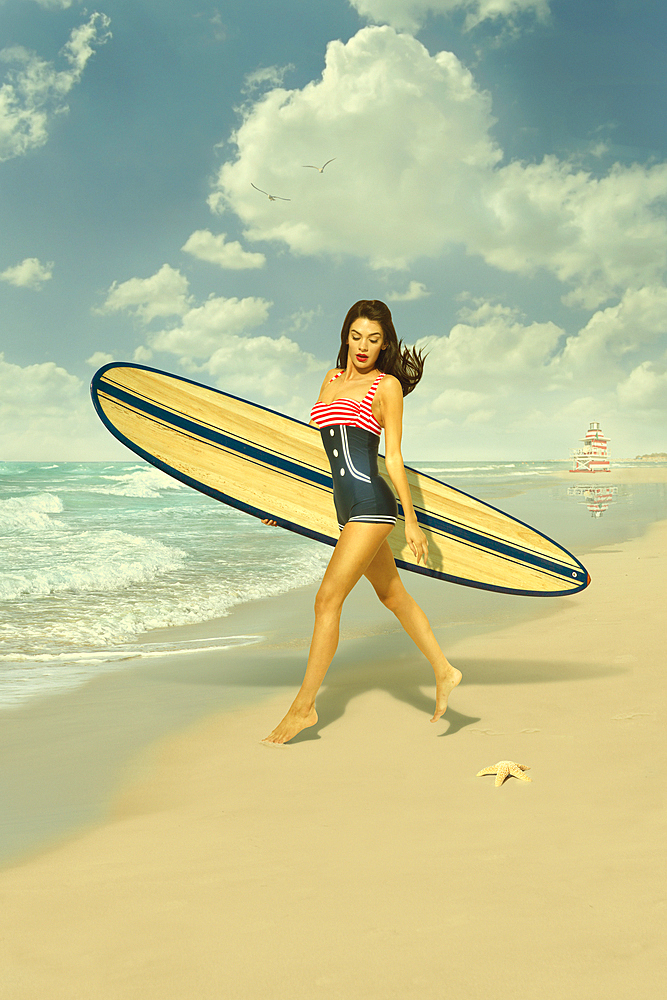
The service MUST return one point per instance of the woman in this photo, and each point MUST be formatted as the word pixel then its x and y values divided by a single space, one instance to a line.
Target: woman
pixel 359 398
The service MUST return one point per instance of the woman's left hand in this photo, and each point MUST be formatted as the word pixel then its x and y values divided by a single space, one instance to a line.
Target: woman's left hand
pixel 417 541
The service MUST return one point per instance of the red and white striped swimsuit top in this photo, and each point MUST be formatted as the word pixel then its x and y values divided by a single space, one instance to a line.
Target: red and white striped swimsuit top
pixel 350 412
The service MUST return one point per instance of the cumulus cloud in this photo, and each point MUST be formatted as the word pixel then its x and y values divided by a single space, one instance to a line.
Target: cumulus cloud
pixel 219 28
pixel 598 235
pixel 265 76
pixel 40 386
pixel 493 345
pixel 411 14
pixel 45 414
pixel 533 389
pixel 417 172
pixel 614 337
pixel 415 290
pixel 485 373
pixel 30 273
pixel 203 328
pixel 302 319
pixel 271 370
pixel 213 339
pixel 410 133
pixel 142 354
pixel 204 245
pixel 34 90
pixel 165 293
pixel 645 389
pixel 98 359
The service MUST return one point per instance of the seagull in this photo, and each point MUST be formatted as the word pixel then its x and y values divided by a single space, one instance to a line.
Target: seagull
pixel 271 197
pixel 319 169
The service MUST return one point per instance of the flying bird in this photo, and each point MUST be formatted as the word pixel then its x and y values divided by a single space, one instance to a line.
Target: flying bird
pixel 320 170
pixel 271 197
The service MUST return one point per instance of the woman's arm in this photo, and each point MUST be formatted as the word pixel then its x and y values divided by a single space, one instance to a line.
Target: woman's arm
pixel 390 399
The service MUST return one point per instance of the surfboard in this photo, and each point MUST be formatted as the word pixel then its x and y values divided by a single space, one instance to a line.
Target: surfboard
pixel 274 466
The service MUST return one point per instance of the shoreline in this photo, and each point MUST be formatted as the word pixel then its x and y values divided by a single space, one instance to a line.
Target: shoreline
pixel 625 475
pixel 345 862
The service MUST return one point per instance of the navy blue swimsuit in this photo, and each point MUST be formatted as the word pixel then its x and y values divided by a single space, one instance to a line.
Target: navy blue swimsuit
pixel 351 436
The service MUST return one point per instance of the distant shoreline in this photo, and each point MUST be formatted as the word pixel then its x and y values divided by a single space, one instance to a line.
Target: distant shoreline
pixel 623 475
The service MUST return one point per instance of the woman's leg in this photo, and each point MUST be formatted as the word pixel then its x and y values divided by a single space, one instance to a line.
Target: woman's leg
pixel 354 552
pixel 388 585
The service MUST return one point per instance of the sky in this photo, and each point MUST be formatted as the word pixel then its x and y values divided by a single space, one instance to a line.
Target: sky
pixel 498 176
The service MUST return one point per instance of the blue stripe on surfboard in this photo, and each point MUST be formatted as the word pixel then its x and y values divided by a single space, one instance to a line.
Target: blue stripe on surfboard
pixel 464 535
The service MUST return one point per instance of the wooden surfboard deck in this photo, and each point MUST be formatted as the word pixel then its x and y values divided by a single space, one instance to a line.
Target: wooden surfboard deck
pixel 271 465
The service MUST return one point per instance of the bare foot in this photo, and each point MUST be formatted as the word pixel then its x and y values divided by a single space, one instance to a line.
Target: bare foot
pixel 292 724
pixel 445 684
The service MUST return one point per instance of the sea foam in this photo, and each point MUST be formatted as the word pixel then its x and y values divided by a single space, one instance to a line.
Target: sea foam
pixel 29 514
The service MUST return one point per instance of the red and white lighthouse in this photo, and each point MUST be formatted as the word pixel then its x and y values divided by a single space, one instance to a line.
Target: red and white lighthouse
pixel 593 456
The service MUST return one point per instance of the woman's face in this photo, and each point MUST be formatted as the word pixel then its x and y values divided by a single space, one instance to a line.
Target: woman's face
pixel 365 341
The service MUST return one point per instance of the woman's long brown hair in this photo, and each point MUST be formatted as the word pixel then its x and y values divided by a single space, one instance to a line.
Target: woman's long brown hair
pixel 404 363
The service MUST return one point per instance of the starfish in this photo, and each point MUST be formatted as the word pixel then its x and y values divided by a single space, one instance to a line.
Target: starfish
pixel 504 768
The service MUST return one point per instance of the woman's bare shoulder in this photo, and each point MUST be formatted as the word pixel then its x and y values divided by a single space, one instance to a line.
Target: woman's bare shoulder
pixel 390 387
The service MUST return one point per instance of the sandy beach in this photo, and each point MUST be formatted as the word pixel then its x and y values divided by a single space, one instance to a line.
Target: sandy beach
pixel 366 859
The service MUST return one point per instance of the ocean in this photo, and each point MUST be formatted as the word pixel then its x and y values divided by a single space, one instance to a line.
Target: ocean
pixel 94 556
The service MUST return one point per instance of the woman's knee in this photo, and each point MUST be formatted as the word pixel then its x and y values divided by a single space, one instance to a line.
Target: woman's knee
pixel 327 602
pixel 393 596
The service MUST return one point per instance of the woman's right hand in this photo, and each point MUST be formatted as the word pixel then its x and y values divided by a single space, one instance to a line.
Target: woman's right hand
pixel 417 540
pixel 266 520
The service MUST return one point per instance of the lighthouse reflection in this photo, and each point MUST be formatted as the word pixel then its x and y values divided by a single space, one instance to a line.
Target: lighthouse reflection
pixel 597 499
